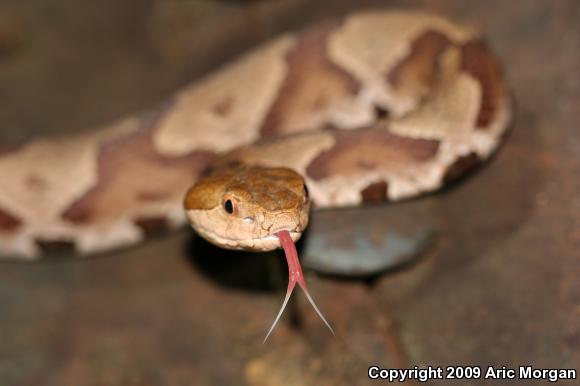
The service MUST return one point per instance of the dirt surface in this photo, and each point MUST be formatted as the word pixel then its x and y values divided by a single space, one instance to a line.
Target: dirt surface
pixel 498 287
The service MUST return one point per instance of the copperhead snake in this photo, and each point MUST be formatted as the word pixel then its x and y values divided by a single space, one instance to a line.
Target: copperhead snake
pixel 377 106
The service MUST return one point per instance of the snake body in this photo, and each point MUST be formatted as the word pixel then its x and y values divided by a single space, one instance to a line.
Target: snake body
pixel 379 105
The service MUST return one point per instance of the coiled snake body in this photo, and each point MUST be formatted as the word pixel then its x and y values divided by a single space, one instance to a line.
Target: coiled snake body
pixel 377 106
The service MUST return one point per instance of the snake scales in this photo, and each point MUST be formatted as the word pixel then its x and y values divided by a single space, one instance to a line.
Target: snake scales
pixel 380 105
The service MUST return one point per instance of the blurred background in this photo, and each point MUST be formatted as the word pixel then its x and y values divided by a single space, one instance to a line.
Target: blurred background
pixel 496 283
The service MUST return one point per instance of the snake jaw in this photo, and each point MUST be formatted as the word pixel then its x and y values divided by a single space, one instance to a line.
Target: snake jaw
pixel 255 242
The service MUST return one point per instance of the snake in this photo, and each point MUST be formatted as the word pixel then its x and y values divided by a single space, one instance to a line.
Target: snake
pixel 375 106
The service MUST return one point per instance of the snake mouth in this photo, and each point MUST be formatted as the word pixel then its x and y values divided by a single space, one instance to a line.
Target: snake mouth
pixel 274 237
pixel 258 244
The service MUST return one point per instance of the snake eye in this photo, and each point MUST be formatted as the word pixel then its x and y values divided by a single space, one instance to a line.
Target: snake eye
pixel 306 194
pixel 229 206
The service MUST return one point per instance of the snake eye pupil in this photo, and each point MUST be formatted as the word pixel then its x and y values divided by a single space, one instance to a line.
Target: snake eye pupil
pixel 306 195
pixel 229 206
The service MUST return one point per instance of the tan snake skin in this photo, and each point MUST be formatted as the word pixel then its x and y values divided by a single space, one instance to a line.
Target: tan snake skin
pixel 377 106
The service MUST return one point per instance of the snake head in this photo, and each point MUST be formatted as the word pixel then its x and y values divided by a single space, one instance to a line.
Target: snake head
pixel 237 206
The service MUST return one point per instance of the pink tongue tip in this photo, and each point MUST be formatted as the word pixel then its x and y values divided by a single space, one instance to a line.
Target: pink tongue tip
pixel 294 276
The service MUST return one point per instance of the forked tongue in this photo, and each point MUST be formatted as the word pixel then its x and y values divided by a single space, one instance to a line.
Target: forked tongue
pixel 294 276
